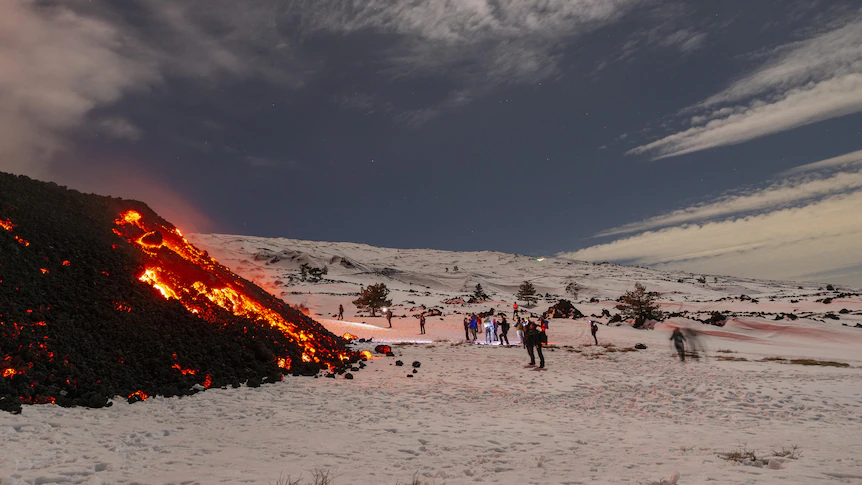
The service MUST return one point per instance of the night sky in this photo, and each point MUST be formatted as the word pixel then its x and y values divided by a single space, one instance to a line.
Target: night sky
pixel 716 137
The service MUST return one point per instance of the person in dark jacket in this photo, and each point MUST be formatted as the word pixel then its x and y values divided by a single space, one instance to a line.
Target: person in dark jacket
pixel 593 329
pixel 530 334
pixel 541 339
pixel 341 312
pixel 466 328
pixel 422 324
pixel 679 342
pixel 534 339
pixel 389 317
pixel 504 331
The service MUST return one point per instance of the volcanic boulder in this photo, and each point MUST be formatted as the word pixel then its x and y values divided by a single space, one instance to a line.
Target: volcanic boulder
pixel 564 309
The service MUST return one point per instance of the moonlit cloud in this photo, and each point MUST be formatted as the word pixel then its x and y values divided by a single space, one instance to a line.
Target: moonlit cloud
pixel 479 44
pixel 798 84
pixel 787 192
pixel 806 226
pixel 55 67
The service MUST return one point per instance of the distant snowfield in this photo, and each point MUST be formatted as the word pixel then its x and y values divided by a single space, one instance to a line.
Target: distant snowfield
pixel 476 413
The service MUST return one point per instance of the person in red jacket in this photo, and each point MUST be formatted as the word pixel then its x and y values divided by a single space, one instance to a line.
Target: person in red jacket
pixel 515 310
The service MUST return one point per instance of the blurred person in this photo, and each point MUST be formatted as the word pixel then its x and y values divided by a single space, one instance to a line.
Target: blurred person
pixel 679 342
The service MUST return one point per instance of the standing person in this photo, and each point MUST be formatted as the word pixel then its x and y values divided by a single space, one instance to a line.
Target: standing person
pixel 466 328
pixel 679 342
pixel 422 324
pixel 488 330
pixel 504 330
pixel 515 310
pixel 341 312
pixel 474 327
pixel 529 333
pixel 495 327
pixel 593 329
pixel 519 327
pixel 541 339
pixel 389 316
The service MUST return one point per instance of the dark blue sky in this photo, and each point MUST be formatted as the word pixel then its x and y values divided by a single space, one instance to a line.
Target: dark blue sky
pixel 526 127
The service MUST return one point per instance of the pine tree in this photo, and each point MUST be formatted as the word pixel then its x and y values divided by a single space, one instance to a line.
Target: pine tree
pixel 373 298
pixel 479 293
pixel 527 292
pixel 640 305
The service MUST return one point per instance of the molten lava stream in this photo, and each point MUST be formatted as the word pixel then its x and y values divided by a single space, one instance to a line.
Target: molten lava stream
pixel 180 271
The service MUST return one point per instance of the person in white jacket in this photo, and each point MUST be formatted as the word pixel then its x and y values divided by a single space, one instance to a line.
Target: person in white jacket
pixel 488 327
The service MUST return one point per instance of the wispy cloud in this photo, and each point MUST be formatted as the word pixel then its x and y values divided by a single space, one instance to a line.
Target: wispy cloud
pixel 118 127
pixel 799 83
pixel 786 192
pixel 804 226
pixel 56 67
pixel 479 44
pixel 62 61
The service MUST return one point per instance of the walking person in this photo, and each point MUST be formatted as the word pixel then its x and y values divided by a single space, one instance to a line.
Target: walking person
pixel 504 331
pixel 593 329
pixel 466 328
pixel 679 342
pixel 389 316
pixel 515 310
pixel 341 312
pixel 421 324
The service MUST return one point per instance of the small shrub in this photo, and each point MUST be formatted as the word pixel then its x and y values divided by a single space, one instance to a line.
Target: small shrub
pixel 793 452
pixel 322 477
pixel 416 481
pixel 824 363
pixel 282 480
pixel 731 358
pixel 740 454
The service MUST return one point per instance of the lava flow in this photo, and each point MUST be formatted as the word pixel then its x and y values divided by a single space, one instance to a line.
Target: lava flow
pixel 180 271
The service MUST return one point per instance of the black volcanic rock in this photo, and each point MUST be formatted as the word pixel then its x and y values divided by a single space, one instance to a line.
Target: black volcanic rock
pixel 78 326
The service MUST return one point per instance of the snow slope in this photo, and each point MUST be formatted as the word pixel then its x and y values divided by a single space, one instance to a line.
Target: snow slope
pixel 476 413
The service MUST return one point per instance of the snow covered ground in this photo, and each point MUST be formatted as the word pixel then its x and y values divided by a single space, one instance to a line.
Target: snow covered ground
pixel 476 413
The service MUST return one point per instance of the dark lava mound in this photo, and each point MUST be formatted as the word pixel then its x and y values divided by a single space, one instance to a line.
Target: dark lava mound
pixel 100 297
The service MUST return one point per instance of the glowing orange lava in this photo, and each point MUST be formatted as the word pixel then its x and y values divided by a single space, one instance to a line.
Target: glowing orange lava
pixel 7 224
pixel 182 272
pixel 184 371
pixel 349 336
pixel 9 372
pixel 140 394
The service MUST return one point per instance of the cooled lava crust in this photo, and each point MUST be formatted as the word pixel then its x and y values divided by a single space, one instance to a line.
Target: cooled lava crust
pixel 100 297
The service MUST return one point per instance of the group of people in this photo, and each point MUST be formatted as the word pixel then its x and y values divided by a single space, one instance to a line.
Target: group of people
pixel 531 335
